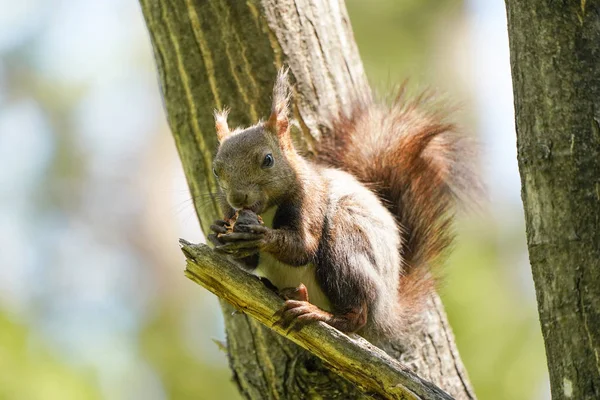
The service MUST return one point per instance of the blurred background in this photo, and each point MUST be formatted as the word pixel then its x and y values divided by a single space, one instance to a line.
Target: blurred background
pixel 93 301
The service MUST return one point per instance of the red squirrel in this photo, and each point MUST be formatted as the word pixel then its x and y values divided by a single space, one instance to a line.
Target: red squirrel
pixel 349 238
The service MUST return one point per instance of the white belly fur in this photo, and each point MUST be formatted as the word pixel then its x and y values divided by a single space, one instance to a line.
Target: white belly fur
pixel 284 276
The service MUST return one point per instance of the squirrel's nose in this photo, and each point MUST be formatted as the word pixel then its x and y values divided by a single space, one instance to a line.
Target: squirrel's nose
pixel 238 199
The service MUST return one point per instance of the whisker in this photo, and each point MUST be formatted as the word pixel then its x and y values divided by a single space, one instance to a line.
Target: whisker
pixel 199 200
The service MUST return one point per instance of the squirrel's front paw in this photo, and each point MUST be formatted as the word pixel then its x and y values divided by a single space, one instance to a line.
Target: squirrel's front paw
pixel 245 241
pixel 239 237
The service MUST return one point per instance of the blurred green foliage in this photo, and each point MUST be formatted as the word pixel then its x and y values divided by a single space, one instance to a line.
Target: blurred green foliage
pixel 493 317
pixel 395 37
pixel 29 370
pixel 183 374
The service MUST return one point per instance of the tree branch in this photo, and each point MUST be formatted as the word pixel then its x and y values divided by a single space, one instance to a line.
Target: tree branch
pixel 353 358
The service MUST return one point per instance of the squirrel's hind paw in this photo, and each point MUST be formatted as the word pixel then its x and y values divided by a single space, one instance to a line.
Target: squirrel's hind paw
pixel 295 314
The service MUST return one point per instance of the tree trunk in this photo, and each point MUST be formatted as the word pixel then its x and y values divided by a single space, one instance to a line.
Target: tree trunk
pixel 217 53
pixel 555 57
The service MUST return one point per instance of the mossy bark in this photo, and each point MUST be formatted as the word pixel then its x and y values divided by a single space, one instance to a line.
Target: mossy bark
pixel 217 53
pixel 555 59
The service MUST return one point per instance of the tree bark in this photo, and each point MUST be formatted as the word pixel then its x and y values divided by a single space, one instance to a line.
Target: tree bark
pixel 555 59
pixel 346 354
pixel 217 53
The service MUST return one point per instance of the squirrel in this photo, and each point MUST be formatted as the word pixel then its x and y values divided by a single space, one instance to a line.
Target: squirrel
pixel 351 237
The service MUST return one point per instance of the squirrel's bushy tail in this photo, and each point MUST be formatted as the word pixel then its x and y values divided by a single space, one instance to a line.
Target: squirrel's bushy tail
pixel 420 167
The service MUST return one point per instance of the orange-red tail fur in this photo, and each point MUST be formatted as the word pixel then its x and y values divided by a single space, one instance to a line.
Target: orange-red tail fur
pixel 420 167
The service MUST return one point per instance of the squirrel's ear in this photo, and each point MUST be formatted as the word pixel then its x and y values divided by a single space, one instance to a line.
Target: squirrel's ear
pixel 279 120
pixel 221 124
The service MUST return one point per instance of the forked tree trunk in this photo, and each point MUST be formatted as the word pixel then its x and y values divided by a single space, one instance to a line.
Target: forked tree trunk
pixel 555 57
pixel 217 53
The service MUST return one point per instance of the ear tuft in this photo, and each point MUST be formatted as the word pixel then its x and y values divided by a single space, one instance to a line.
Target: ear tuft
pixel 278 120
pixel 221 124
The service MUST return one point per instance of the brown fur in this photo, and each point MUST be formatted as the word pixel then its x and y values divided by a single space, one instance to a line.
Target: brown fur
pixel 420 167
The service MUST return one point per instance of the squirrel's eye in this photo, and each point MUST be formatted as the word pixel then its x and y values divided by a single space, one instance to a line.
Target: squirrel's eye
pixel 268 161
pixel 215 173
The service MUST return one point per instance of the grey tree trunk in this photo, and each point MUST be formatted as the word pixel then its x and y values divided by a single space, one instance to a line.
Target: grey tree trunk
pixel 217 53
pixel 555 58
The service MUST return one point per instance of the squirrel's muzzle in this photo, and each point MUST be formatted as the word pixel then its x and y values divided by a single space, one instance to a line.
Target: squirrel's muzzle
pixel 239 199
